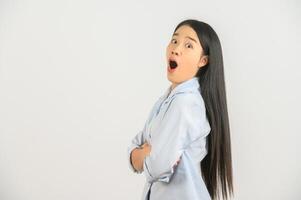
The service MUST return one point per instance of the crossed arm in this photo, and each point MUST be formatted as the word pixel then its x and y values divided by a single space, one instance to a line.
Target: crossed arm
pixel 138 155
pixel 182 124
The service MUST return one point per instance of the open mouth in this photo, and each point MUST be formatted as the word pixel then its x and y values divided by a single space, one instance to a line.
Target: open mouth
pixel 173 64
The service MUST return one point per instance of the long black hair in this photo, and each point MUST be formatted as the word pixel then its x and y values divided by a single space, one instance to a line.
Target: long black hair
pixel 216 167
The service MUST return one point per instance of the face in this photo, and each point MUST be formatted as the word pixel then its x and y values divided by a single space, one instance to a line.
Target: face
pixel 185 53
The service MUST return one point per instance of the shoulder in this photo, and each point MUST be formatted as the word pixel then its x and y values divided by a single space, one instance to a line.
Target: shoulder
pixel 188 100
pixel 186 104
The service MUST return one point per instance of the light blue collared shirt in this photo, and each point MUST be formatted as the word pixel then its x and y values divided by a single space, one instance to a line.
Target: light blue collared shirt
pixel 177 127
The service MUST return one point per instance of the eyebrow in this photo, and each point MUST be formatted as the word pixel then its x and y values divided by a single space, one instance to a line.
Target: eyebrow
pixel 176 34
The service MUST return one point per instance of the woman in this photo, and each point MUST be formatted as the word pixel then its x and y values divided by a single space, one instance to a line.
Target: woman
pixel 184 149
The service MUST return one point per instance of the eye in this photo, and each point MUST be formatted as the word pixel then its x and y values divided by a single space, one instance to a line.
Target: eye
pixel 172 40
pixel 189 45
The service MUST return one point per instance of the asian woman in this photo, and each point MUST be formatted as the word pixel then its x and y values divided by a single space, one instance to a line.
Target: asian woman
pixel 184 149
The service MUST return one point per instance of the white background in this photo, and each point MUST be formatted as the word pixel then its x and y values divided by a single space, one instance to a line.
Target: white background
pixel 78 79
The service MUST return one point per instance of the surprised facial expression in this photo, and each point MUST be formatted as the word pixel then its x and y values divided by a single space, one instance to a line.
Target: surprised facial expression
pixel 183 55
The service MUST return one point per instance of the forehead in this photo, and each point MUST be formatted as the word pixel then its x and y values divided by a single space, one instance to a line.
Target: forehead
pixel 186 31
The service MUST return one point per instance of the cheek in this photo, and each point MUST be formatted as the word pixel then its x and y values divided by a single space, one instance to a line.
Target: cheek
pixel 167 51
pixel 189 66
pixel 190 61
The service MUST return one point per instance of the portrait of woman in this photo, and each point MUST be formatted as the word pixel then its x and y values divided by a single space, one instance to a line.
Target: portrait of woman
pixel 184 149
pixel 150 100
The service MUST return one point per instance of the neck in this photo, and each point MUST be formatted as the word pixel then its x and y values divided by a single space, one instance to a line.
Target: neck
pixel 173 85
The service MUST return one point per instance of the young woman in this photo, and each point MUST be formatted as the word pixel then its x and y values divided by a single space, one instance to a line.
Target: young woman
pixel 184 149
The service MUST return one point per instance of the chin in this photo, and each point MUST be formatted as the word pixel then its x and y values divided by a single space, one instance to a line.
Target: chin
pixel 170 79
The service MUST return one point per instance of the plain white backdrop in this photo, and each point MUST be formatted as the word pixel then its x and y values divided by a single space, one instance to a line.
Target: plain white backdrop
pixel 78 79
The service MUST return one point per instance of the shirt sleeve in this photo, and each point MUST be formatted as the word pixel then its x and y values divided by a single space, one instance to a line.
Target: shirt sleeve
pixel 139 139
pixel 181 124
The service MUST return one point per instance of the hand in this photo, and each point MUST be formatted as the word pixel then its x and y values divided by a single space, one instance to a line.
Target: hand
pixel 146 148
pixel 138 155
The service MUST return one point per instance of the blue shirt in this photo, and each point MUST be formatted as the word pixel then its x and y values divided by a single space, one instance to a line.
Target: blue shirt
pixel 177 127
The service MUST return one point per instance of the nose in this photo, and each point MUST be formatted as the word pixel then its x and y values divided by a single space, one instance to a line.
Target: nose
pixel 175 51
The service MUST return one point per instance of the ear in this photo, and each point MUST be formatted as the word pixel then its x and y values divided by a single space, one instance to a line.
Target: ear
pixel 203 61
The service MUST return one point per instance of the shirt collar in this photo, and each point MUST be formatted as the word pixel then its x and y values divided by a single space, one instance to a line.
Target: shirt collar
pixel 185 86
